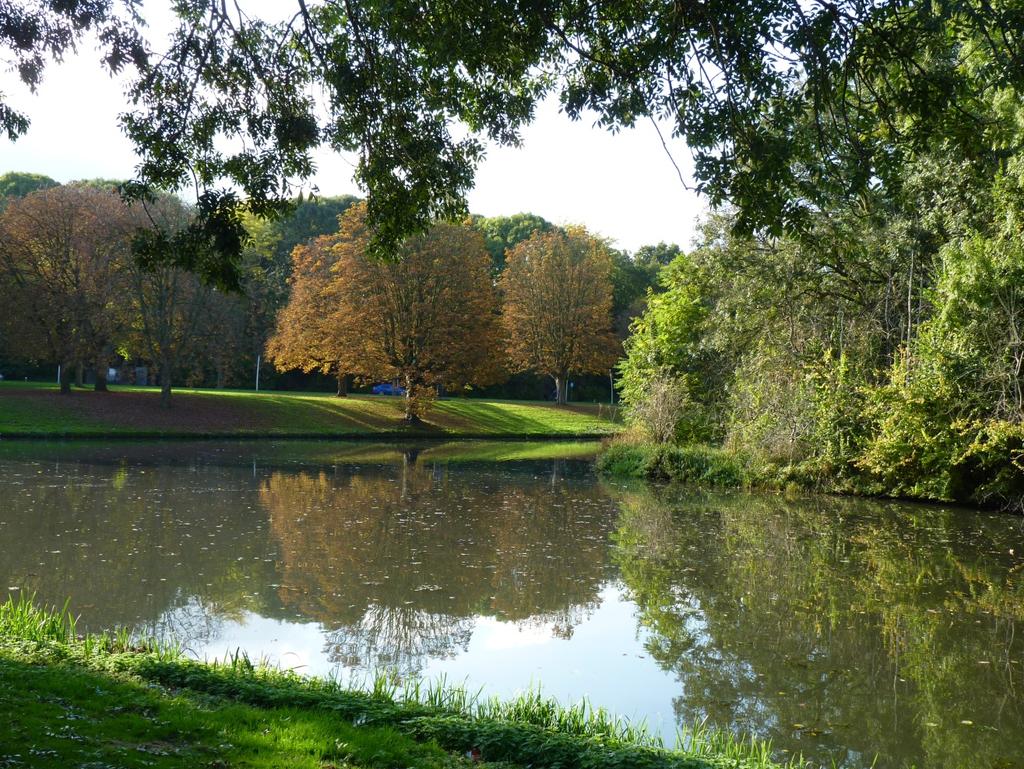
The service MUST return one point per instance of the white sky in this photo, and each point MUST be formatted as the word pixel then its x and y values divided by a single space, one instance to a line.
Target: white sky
pixel 621 186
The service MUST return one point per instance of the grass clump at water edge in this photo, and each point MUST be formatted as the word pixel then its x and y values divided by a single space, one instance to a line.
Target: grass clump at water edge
pixel 696 465
pixel 133 694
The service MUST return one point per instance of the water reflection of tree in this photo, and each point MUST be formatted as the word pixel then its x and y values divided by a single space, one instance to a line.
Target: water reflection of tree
pixel 398 638
pixel 837 628
pixel 130 545
pixel 192 621
pixel 396 562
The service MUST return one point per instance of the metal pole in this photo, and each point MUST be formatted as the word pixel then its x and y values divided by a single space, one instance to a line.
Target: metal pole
pixel 259 358
pixel 58 373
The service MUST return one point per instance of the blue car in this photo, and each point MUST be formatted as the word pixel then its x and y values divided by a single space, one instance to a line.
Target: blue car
pixel 388 389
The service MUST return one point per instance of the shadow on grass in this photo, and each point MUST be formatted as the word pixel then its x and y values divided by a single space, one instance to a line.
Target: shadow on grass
pixel 290 412
pixel 38 411
pixel 514 418
pixel 69 716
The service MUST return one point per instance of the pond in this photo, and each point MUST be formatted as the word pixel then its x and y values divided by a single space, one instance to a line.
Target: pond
pixel 840 629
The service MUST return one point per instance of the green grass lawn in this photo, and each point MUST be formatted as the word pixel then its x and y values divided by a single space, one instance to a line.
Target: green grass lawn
pixel 40 410
pixel 71 717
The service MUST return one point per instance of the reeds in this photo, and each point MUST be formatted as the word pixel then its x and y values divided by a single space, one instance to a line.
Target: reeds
pixel 24 619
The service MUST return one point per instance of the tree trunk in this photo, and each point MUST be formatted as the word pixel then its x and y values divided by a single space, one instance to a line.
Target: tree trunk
pixel 342 385
pixel 557 471
pixel 561 389
pixel 101 377
pixel 79 374
pixel 65 378
pixel 165 384
pixel 411 417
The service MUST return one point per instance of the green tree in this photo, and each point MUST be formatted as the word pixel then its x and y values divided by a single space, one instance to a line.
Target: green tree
pixel 667 350
pixel 17 185
pixel 656 256
pixel 948 423
pixel 502 233
pixel 631 281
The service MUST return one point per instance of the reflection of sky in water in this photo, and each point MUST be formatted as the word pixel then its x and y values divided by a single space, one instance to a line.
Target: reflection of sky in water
pixel 604 661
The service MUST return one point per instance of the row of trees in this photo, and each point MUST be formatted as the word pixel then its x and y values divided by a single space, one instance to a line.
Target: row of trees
pixel 433 319
pixel 88 281
pixel 75 293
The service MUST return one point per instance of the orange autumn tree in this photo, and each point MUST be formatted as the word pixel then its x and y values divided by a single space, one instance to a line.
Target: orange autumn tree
pixel 64 254
pixel 558 306
pixel 313 331
pixel 429 318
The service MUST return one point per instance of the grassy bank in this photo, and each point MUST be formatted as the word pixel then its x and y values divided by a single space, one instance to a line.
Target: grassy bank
pixel 696 465
pixel 714 467
pixel 40 411
pixel 297 453
pixel 109 700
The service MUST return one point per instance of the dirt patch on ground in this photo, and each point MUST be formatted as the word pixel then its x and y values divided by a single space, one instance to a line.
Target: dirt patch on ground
pixel 142 411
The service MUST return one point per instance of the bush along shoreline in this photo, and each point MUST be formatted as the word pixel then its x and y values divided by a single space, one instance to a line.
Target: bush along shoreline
pixel 703 466
pixel 135 702
pixel 712 467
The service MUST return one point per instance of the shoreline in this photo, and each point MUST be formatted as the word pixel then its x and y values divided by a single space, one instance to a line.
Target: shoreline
pixel 362 437
pixel 703 467
pixel 440 726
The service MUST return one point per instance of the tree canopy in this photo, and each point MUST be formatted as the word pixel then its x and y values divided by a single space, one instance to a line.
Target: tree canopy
pixel 783 103
pixel 558 306
pixel 428 320
pixel 267 262
pixel 17 185
pixel 502 233
pixel 309 333
pixel 62 255
pixel 879 351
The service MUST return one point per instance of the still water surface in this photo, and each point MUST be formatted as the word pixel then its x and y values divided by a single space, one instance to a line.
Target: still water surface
pixel 840 629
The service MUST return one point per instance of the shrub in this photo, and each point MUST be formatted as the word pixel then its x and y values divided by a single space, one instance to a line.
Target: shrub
pixel 658 413
pixel 990 471
pixel 623 460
